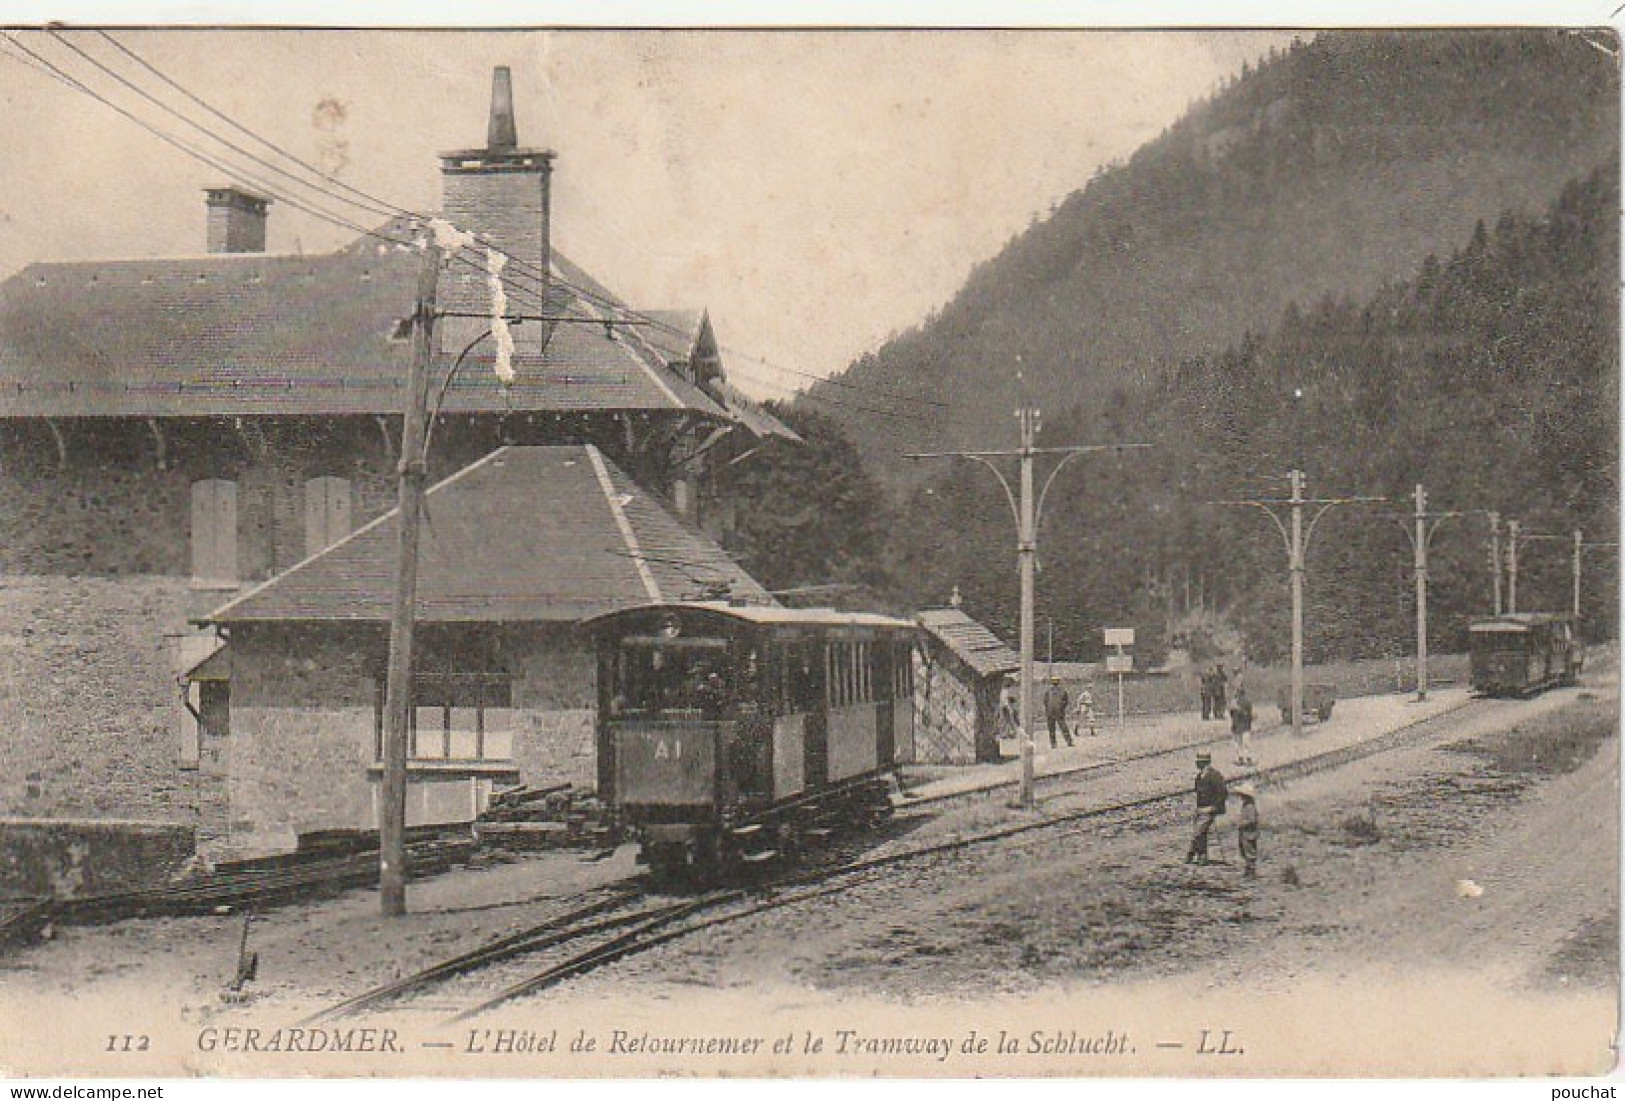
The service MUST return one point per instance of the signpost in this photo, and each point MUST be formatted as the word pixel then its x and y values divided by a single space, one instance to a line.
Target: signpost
pixel 1121 663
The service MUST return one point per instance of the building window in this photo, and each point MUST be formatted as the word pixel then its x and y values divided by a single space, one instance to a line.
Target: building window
pixel 902 671
pixel 455 717
pixel 214 534
pixel 850 674
pixel 327 513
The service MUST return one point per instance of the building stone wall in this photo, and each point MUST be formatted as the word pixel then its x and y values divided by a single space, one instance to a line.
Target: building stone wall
pixel 555 706
pixel 89 703
pixel 295 770
pixel 302 731
pixel 112 510
pixel 947 713
pixel 74 858
pixel 300 755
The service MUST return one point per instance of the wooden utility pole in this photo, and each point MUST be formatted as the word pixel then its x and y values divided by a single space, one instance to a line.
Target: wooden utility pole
pixel 392 869
pixel 1028 513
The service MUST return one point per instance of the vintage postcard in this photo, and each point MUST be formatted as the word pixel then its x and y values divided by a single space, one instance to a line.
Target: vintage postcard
pixel 785 552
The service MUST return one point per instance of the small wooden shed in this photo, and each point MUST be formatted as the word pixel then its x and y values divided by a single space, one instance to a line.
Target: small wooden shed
pixel 959 673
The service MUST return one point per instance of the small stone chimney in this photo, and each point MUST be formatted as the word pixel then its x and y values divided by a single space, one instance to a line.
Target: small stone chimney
pixel 236 220
pixel 501 194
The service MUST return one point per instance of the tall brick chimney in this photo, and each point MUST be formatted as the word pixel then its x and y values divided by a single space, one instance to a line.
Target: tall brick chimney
pixel 236 220
pixel 499 193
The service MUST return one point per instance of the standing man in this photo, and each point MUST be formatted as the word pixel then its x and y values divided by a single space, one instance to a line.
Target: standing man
pixel 1220 691
pixel 1210 796
pixel 1206 680
pixel 1056 701
pixel 1241 725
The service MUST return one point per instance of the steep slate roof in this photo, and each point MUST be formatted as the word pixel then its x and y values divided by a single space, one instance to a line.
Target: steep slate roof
pixel 684 336
pixel 527 534
pixel 969 641
pixel 256 333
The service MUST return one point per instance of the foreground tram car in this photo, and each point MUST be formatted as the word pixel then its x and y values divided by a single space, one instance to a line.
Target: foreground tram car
pixel 731 734
pixel 1523 652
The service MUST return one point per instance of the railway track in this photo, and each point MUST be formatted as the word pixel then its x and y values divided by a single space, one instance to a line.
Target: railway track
pixel 638 929
pixel 1051 779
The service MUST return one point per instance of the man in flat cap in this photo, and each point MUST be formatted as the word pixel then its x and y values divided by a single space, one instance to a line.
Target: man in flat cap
pixel 1210 796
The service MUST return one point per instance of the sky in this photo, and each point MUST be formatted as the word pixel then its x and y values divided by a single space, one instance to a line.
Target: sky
pixel 816 191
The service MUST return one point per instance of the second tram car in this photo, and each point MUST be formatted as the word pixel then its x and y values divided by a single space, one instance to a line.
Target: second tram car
pixel 728 733
pixel 1523 652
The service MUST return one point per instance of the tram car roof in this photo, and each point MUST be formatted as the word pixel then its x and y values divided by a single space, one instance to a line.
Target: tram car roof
pixel 763 615
pixel 1517 621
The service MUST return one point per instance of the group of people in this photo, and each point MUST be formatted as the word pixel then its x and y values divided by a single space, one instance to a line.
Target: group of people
pixel 1212 797
pixel 1058 705
pixel 1212 793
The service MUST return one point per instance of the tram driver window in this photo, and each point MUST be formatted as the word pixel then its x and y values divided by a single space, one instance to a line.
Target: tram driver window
pixel 671 679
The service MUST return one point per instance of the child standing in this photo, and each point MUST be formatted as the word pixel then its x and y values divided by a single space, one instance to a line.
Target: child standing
pixel 1086 709
pixel 1247 828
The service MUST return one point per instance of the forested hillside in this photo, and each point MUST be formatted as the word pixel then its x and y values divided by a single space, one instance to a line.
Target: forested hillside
pixel 1491 375
pixel 1329 169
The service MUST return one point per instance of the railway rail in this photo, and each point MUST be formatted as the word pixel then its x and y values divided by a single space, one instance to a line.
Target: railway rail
pixel 253 886
pixel 1048 779
pixel 620 936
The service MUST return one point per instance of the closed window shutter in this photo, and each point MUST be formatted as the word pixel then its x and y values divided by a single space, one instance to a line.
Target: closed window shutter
pixel 327 513
pixel 214 532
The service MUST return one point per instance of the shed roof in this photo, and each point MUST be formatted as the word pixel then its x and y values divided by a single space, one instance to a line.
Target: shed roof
pixel 778 616
pixel 526 534
pixel 1517 621
pixel 968 640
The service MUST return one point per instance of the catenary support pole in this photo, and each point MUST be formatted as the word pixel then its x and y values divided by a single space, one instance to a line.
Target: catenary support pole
pixel 1027 552
pixel 1028 512
pixel 1495 557
pixel 1579 545
pixel 1512 566
pixel 1296 536
pixel 1421 594
pixel 1295 559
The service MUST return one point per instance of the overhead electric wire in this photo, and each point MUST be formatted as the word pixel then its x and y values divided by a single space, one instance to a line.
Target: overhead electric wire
pixel 274 191
pixel 233 171
pixel 855 407
pixel 198 126
pixel 384 205
pixel 540 279
pixel 627 316
pixel 376 204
